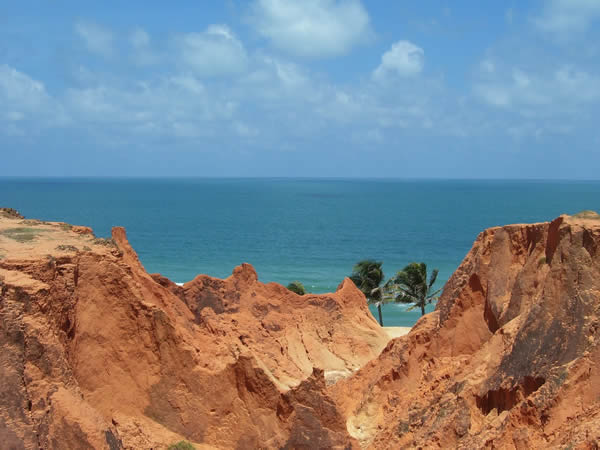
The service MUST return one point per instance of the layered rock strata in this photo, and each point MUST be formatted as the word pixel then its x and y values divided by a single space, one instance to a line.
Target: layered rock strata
pixel 96 353
pixel 509 359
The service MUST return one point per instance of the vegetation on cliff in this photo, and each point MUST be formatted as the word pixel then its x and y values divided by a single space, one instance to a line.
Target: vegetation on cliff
pixel 297 287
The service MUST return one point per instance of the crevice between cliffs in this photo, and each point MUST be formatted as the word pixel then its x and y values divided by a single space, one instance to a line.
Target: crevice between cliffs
pixel 503 399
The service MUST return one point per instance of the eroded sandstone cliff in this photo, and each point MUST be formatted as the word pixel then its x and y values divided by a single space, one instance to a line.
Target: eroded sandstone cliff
pixel 96 353
pixel 509 359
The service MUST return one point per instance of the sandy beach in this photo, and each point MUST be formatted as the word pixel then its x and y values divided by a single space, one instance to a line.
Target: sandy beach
pixel 395 332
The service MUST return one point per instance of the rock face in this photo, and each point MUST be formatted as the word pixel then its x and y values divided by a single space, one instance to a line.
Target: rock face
pixel 289 333
pixel 509 359
pixel 96 353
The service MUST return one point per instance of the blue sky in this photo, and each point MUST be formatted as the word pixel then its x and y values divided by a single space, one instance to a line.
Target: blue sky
pixel 318 88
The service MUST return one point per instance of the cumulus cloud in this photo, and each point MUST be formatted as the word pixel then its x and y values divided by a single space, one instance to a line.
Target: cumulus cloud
pixel 273 100
pixel 18 88
pixel 97 39
pixel 279 73
pixel 168 107
pixel 556 92
pixel 311 28
pixel 568 16
pixel 187 105
pixel 213 88
pixel 403 59
pixel 23 98
pixel 213 52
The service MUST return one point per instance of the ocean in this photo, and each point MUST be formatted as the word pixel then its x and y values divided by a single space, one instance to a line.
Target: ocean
pixel 311 230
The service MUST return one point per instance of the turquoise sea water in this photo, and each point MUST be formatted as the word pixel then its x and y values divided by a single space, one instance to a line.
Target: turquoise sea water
pixel 311 230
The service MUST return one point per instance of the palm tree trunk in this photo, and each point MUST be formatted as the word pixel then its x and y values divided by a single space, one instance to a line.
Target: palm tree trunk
pixel 422 309
pixel 380 316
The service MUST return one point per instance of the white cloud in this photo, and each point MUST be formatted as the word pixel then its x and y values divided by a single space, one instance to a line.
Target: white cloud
pixel 568 16
pixel 286 74
pixel 404 59
pixel 273 100
pixel 23 98
pixel 92 101
pixel 188 82
pixel 18 88
pixel 578 84
pixel 96 38
pixel 143 54
pixel 494 95
pixel 139 38
pixel 267 99
pixel 521 79
pixel 175 106
pixel 311 28
pixel 563 90
pixel 213 52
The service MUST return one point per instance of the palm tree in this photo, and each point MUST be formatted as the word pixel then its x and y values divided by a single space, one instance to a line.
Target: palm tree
pixel 411 286
pixel 367 276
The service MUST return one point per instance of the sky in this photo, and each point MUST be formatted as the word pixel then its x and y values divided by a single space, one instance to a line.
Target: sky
pixel 312 88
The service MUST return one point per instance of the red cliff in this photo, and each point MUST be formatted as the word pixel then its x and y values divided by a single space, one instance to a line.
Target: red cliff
pixel 96 353
pixel 509 359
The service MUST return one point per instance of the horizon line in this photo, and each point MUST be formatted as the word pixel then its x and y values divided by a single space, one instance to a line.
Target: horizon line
pixel 265 177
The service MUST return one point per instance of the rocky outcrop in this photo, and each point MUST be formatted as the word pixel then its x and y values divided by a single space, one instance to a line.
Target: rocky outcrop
pixel 96 353
pixel 509 359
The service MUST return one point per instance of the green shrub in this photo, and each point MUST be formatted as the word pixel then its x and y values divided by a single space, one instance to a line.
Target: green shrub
pixel 181 445
pixel 588 214
pixel 108 242
pixel 21 234
pixel 50 262
pixel 297 287
pixel 31 222
pixel 10 212
pixel 541 261
pixel 67 248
